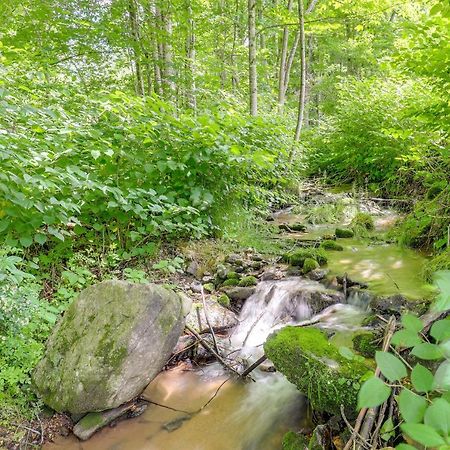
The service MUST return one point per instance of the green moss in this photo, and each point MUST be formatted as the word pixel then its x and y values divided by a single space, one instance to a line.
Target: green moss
pixel 310 264
pixel 297 257
pixel 331 245
pixel 316 367
pixel 91 420
pixel 208 287
pixel 233 276
pixel 439 262
pixel 362 222
pixel 297 227
pixel 224 300
pixel 231 282
pixel 248 281
pixel 364 343
pixel 294 441
pixel 344 233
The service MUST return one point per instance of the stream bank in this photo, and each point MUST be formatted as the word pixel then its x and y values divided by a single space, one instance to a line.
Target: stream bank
pixel 265 410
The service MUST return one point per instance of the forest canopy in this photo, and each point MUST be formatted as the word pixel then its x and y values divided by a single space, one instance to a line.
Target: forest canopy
pixel 127 126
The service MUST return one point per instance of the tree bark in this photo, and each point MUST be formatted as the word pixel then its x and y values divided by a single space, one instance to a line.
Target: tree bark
pixel 283 64
pixel 168 69
pixel 190 60
pixel 134 25
pixel 154 25
pixel 302 96
pixel 253 79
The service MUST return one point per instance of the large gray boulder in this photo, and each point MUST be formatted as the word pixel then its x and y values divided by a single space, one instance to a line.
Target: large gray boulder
pixel 112 341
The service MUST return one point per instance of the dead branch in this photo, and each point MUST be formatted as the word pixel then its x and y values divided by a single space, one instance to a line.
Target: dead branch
pixel 205 345
pixel 208 322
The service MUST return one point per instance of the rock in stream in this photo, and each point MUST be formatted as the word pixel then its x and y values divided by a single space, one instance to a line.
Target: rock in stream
pixel 112 341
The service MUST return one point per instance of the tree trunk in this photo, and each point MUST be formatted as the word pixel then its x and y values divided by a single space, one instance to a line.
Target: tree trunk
pixel 253 80
pixel 302 96
pixel 234 75
pixel 155 26
pixel 283 65
pixel 168 69
pixel 190 60
pixel 134 25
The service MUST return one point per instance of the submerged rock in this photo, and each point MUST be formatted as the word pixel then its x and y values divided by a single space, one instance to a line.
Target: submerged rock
pixel 219 316
pixel 112 341
pixel 315 366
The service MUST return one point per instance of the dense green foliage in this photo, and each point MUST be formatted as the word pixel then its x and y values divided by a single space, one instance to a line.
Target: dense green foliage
pixel 124 129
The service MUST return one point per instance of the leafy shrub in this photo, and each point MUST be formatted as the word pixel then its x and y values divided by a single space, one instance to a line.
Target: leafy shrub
pixel 423 399
pixel 25 322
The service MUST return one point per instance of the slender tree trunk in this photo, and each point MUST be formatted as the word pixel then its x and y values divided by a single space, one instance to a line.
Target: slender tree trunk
pixel 234 75
pixel 253 79
pixel 134 25
pixel 283 64
pixel 190 60
pixel 155 26
pixel 168 69
pixel 302 96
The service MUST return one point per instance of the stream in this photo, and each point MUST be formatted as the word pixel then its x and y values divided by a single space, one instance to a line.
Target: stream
pixel 254 415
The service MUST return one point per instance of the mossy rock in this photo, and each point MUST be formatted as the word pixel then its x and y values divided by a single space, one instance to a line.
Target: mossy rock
pixel 224 300
pixel 364 344
pixel 294 441
pixel 248 281
pixel 331 245
pixel 112 341
pixel 298 257
pixel 209 287
pixel 310 264
pixel 297 227
pixel 231 282
pixel 363 220
pixel 233 276
pixel 344 233
pixel 315 366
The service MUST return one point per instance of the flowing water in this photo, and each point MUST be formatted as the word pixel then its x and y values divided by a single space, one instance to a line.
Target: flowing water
pixel 254 415
pixel 243 415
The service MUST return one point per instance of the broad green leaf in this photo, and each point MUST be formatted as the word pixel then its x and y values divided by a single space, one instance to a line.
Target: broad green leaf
pixel 423 434
pixel 95 154
pixel 391 367
pixel 427 351
pixel 412 323
pixel 412 406
pixel 26 241
pixel 406 338
pixel 54 232
pixel 441 330
pixel 422 378
pixel 405 447
pixel 346 353
pixel 387 430
pixel 438 416
pixel 373 392
pixel 40 238
pixel 442 281
pixel 442 376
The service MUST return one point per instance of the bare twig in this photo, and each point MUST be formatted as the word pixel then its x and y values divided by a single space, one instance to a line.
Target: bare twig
pixel 208 322
pixel 253 366
pixel 210 349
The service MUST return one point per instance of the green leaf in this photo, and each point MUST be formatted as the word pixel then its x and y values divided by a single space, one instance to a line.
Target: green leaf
pixel 427 351
pixel 438 416
pixel 405 447
pixel 391 367
pixel 387 430
pixel 412 323
pixel 95 154
pixel 412 406
pixel 346 353
pixel 423 434
pixel 373 393
pixel 442 376
pixel 442 281
pixel 56 233
pixel 26 241
pixel 406 338
pixel 441 330
pixel 422 378
pixel 40 238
